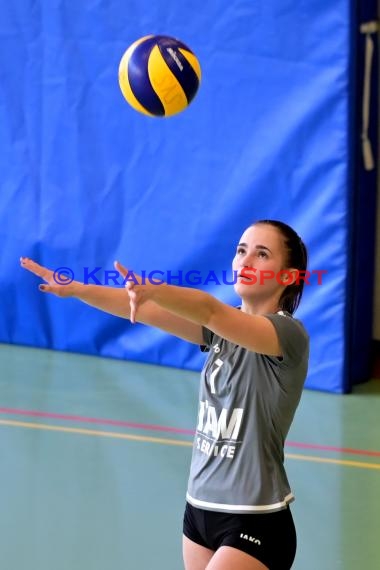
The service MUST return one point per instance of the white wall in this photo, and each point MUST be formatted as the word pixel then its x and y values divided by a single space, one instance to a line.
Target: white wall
pixel 376 324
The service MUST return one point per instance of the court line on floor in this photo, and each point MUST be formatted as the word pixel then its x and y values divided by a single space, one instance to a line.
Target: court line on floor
pixel 166 441
pixel 348 450
pixel 344 462
pixel 99 421
pixel 169 429
pixel 82 431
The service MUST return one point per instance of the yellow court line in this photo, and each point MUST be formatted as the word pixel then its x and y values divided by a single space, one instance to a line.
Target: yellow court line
pixel 336 461
pixel 113 434
pixel 180 442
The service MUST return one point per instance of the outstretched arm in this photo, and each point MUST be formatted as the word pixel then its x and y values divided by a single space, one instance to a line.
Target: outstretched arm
pixel 115 301
pixel 254 332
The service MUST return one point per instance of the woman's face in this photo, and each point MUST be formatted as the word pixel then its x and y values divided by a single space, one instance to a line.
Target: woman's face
pixel 260 256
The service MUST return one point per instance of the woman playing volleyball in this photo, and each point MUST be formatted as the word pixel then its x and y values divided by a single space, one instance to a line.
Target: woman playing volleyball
pixel 237 512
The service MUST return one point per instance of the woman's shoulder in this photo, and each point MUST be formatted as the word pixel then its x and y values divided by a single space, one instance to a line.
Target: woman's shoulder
pixel 292 334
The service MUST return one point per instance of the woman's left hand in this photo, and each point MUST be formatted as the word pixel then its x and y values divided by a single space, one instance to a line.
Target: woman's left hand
pixel 138 294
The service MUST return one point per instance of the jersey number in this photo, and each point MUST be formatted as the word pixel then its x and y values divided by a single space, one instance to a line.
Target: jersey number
pixel 219 364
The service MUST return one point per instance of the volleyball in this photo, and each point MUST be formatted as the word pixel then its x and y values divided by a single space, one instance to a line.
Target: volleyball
pixel 159 75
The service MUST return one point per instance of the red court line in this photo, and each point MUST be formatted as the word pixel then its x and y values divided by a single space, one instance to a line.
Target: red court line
pixel 152 427
pixel 333 448
pixel 83 419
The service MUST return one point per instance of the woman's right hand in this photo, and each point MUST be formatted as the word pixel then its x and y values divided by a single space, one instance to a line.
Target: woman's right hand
pixel 51 279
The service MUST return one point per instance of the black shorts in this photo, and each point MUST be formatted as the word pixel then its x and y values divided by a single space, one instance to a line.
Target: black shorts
pixel 269 537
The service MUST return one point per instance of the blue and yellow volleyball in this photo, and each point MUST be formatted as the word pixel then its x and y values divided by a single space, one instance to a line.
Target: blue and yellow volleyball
pixel 159 75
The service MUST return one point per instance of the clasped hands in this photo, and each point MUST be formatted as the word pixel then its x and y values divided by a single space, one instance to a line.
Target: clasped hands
pixel 138 293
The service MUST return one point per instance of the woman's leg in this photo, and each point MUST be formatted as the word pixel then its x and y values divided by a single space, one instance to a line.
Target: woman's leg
pixel 228 558
pixel 195 556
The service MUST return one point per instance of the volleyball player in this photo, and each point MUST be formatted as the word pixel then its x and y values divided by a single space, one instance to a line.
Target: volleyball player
pixel 237 512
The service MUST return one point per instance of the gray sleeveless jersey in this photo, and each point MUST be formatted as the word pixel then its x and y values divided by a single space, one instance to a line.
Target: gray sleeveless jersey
pixel 247 403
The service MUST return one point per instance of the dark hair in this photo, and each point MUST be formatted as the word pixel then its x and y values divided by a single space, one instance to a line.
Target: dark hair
pixel 296 258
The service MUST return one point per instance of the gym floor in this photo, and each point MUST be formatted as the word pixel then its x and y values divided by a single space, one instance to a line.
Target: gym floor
pixel 95 454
